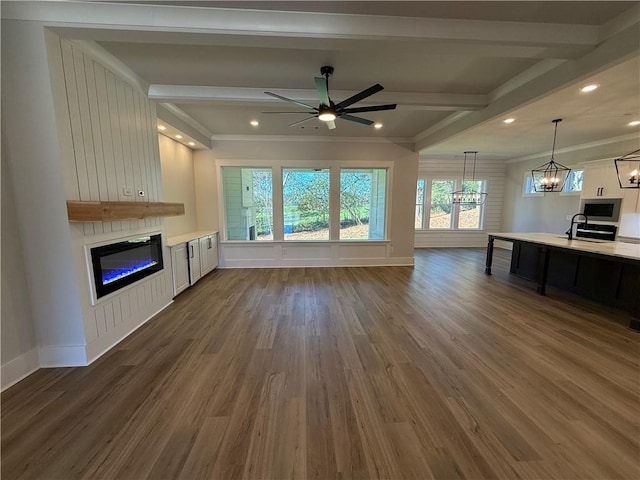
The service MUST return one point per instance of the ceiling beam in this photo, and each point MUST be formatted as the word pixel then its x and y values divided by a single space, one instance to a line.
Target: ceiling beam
pixel 172 18
pixel 617 49
pixel 404 100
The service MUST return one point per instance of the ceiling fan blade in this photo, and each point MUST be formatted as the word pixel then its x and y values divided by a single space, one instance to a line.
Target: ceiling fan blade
pixel 323 92
pixel 360 96
pixel 374 108
pixel 310 113
pixel 292 101
pixel 353 118
pixel 331 125
pixel 301 121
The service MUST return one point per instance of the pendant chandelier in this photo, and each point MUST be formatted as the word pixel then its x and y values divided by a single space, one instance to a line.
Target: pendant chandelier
pixel 468 196
pixel 628 170
pixel 551 176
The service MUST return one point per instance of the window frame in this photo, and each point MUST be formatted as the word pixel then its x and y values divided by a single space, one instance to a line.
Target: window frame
pixel 334 167
pixel 455 208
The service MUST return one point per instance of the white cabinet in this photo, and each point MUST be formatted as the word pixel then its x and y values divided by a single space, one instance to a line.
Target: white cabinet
pixel 180 267
pixel 601 180
pixel 194 261
pixel 193 255
pixel 208 253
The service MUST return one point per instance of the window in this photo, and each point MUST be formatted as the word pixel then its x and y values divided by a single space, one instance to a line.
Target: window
pixel 434 210
pixel 440 213
pixel 248 202
pixel 305 200
pixel 470 216
pixel 362 203
pixel 528 188
pixel 573 184
pixel 419 221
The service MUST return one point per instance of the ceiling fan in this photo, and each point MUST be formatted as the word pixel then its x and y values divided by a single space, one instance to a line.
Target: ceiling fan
pixel 328 111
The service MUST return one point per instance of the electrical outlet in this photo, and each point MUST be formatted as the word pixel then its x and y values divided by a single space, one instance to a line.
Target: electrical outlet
pixel 568 217
pixel 127 191
pixel 141 193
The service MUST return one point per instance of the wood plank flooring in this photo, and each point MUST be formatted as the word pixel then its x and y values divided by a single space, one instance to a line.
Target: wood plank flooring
pixel 436 371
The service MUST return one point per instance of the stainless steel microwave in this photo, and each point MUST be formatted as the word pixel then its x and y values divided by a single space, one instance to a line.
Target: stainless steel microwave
pixel 601 209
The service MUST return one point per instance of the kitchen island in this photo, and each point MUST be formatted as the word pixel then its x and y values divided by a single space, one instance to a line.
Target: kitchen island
pixel 606 272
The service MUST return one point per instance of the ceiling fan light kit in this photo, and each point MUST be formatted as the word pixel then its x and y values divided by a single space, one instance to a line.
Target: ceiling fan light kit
pixel 551 176
pixel 328 111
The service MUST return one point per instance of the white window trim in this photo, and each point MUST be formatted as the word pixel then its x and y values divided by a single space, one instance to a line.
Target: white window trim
pixel 334 167
pixel 455 210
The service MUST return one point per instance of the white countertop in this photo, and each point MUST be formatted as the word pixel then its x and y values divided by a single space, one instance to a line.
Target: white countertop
pixel 613 249
pixel 187 237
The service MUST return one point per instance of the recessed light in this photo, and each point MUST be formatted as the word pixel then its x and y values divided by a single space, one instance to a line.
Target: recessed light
pixel 509 120
pixel 161 127
pixel 635 123
pixel 178 137
pixel 192 144
pixel 589 88
pixel 254 123
pixel 377 125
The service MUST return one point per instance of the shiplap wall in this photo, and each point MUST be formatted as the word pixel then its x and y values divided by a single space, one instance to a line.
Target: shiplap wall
pixel 491 171
pixel 112 143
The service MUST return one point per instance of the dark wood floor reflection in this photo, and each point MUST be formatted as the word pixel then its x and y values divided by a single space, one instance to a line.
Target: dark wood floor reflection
pixel 436 371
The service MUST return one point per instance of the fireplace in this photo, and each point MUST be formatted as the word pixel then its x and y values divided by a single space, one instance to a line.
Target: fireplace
pixel 120 264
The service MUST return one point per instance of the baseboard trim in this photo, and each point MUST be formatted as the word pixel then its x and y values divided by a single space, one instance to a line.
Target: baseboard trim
pixel 19 368
pixel 97 348
pixel 53 356
pixel 322 263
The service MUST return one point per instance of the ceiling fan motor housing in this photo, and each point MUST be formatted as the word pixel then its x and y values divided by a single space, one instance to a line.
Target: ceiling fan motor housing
pixel 326 70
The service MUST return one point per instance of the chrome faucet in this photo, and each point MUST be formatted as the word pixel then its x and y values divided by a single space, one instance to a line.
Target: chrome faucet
pixel 570 231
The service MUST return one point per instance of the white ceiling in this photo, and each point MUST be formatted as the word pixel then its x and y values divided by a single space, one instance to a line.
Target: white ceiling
pixel 456 69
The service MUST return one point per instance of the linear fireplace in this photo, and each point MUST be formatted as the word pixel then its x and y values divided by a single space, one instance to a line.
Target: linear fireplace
pixel 120 264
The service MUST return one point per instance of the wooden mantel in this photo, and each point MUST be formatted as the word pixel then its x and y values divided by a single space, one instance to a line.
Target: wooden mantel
pixel 114 211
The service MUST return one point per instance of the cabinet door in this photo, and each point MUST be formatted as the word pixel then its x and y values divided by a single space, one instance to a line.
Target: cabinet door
pixel 194 261
pixel 205 266
pixel 180 268
pixel 213 251
pixel 601 181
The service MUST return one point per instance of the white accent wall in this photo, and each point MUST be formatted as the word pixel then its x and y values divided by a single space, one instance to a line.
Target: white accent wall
pixel 74 130
pixel 493 171
pixel 107 130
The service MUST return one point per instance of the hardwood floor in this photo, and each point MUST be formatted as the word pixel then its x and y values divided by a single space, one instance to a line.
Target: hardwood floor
pixel 436 371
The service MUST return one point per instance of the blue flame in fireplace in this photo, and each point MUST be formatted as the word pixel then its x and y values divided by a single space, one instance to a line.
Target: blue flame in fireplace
pixel 112 275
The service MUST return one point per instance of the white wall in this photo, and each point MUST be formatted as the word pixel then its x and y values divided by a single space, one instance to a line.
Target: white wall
pixel 490 170
pixel 178 184
pixel 19 346
pixel 31 149
pixel 398 249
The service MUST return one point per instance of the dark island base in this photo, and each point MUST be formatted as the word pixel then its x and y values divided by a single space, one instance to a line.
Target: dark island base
pixel 600 278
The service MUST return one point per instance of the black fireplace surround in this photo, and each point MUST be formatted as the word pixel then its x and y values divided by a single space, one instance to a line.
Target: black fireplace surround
pixel 120 264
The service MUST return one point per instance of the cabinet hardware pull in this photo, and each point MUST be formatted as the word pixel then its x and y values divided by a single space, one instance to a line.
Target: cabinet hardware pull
pixel 191 250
